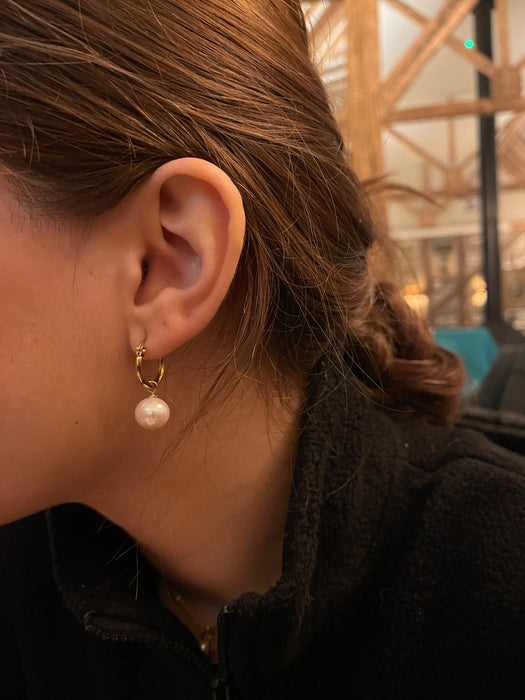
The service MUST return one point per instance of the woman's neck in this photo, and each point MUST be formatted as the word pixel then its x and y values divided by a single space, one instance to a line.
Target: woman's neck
pixel 211 520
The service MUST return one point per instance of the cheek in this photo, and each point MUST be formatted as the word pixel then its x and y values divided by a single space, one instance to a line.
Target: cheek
pixel 55 393
pixel 41 338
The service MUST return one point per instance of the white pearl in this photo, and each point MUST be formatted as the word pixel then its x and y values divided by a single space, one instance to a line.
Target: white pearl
pixel 152 413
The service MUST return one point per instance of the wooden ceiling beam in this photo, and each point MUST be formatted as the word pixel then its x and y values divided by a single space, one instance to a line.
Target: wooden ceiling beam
pixel 362 126
pixel 432 36
pixel 512 165
pixel 518 226
pixel 510 132
pixel 503 31
pixel 457 109
pixel 476 58
pixel 308 12
pixel 428 157
pixel 468 160
pixel 468 190
pixel 334 68
pixel 338 88
pixel 505 133
pixel 323 23
pixel 337 38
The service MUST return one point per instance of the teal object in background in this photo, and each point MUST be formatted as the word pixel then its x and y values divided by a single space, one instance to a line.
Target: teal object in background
pixel 476 347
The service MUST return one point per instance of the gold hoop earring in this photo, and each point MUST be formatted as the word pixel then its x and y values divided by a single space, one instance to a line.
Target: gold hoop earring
pixel 151 413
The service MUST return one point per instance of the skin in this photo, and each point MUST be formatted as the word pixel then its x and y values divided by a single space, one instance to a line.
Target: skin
pixel 211 517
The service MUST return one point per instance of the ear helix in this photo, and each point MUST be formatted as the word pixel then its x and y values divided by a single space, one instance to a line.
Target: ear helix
pixel 151 413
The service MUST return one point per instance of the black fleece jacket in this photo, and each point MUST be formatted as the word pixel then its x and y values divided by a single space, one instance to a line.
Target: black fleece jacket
pixel 403 577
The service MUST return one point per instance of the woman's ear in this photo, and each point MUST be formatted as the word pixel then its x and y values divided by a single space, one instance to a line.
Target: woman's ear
pixel 191 236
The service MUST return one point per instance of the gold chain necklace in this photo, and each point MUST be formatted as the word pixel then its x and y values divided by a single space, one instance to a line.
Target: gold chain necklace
pixel 207 635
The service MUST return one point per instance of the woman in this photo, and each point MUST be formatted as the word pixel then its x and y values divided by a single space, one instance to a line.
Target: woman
pixel 179 224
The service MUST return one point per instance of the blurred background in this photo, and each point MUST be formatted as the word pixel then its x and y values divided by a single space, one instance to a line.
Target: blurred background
pixel 431 94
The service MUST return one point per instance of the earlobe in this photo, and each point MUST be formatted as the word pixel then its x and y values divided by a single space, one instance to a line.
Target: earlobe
pixel 192 241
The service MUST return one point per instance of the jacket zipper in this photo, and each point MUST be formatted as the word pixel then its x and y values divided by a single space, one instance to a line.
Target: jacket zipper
pixel 220 684
pixel 114 630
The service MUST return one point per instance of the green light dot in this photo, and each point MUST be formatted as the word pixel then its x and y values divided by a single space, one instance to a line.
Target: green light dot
pixel 469 44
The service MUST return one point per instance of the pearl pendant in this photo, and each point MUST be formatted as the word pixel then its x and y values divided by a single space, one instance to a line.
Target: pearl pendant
pixel 152 413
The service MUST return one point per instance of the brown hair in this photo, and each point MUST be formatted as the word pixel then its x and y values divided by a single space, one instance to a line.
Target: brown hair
pixel 96 95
